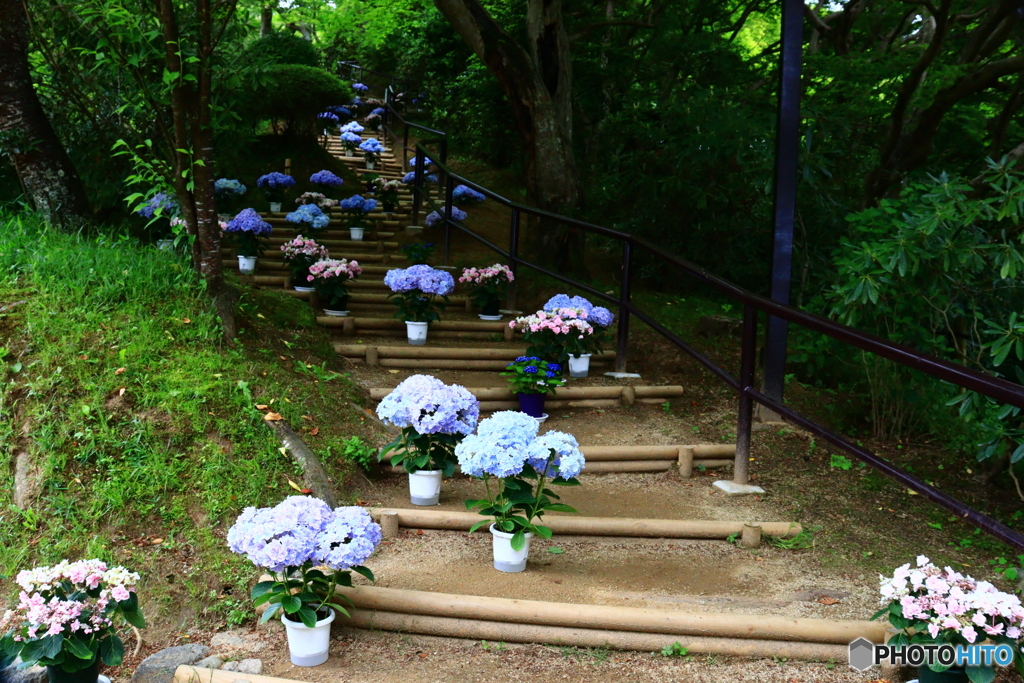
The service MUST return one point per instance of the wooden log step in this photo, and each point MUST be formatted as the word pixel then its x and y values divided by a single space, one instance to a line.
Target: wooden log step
pixel 377 299
pixel 456 353
pixel 615 466
pixel 611 395
pixel 395 324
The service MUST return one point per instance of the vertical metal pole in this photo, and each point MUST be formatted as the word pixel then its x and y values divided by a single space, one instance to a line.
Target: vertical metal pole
pixel 624 296
pixel 449 191
pixel 405 146
pixel 444 160
pixel 513 253
pixel 740 471
pixel 417 187
pixel 787 149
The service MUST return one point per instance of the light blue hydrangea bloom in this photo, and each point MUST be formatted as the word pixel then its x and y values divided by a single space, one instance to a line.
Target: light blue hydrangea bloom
pixel 568 462
pixel 352 127
pixel 410 177
pixel 435 217
pixel 282 536
pixel 309 214
pixel 350 138
pixel 429 406
pixel 601 316
pixel 426 161
pixel 372 146
pixel 348 539
pixel 500 446
pixel 422 277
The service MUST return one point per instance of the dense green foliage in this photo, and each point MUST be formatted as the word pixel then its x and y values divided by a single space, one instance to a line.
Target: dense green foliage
pixel 282 48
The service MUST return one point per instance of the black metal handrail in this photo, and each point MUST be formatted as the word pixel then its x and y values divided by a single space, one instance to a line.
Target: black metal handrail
pixel 994 387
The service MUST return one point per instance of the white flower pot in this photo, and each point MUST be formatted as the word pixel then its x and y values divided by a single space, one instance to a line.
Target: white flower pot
pixel 304 289
pixel 579 366
pixel 246 264
pixel 308 646
pixel 425 487
pixel 356 234
pixel 417 332
pixel 370 165
pixel 165 244
pixel 336 314
pixel 489 318
pixel 506 559
pixel 349 154
pixel 275 207
pixel 542 419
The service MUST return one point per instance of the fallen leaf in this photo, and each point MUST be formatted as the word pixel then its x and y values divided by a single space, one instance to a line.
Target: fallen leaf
pixel 283 358
pixel 83 358
pixel 272 417
pixel 120 392
pixel 827 600
pixel 218 375
pixel 260 315
pixel 307 491
pixel 286 400
pixel 283 451
pixel 419 532
pixel 119 371
pixel 157 541
pixel 314 431
pixel 423 655
pixel 911 493
pixel 260 406
pixel 759 559
pixel 393 372
pixel 307 417
pixel 295 486
pixel 186 320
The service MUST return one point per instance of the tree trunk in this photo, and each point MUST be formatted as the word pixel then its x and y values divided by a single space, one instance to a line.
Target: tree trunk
pixel 46 173
pixel 266 20
pixel 537 82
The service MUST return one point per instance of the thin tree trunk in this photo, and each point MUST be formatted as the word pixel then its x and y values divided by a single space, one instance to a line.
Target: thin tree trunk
pixel 266 20
pixel 44 169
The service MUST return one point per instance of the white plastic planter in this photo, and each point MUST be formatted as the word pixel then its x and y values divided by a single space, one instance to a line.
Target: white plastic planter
pixel 370 165
pixel 489 318
pixel 579 366
pixel 308 646
pixel 417 332
pixel 349 153
pixel 425 487
pixel 506 559
pixel 336 314
pixel 304 289
pixel 356 234
pixel 275 207
pixel 246 264
pixel 165 244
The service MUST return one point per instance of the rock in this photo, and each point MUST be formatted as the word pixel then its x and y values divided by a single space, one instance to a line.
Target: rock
pixel 245 666
pixel 159 667
pixel 238 639
pixel 32 674
pixel 209 663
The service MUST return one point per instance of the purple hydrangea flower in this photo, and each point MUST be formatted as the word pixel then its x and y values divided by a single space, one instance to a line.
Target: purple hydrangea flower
pixel 275 181
pixel 167 205
pixel 360 87
pixel 326 179
pixel 410 177
pixel 500 447
pixel 422 277
pixel 601 316
pixel 327 117
pixel 435 217
pixel 248 220
pixel 463 193
pixel 379 111
pixel 429 406
pixel 309 214
pixel 282 536
pixel 342 112
pixel 348 539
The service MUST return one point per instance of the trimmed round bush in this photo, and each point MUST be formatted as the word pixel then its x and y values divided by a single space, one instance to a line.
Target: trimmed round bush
pixel 282 48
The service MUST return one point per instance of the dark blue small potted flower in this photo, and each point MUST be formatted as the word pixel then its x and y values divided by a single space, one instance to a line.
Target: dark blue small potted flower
pixel 274 185
pixel 531 380
pixel 247 230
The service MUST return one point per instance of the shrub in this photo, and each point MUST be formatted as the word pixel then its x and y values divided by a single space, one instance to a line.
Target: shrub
pixel 282 48
pixel 294 94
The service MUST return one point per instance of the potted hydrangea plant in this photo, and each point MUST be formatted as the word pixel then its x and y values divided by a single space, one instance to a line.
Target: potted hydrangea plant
pixel 373 120
pixel 274 186
pixel 371 149
pixel 327 120
pixel 350 141
pixel 531 379
pixel 466 194
pixel 309 215
pixel 928 605
pixel 437 217
pixel 487 285
pixel 330 277
pixel 248 231
pixel 356 207
pixel 301 253
pixel 310 550
pixel 316 198
pixel 600 319
pixel 66 618
pixel 419 252
pixel 434 417
pixel 387 192
pixel 415 289
pixel 160 206
pixel 506 448
pixel 360 88
pixel 555 335
pixel 326 180
pixel 227 192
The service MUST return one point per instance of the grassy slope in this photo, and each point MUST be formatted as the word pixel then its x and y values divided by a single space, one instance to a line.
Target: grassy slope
pixel 116 380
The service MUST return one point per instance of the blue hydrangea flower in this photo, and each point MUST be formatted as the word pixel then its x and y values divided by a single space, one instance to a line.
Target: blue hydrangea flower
pixel 429 406
pixel 601 316
pixel 426 160
pixel 360 87
pixel 530 369
pixel 311 215
pixel 522 359
pixel 462 193
pixel 248 220
pixel 280 537
pixel 227 189
pixel 379 111
pixel 352 127
pixel 551 375
pixel 275 181
pixel 554 367
pixel 325 178
pixel 435 217
pixel 327 117
pixel 348 539
pixel 422 277
pixel 410 178
pixel 568 462
pixel 342 112
pixel 167 205
pixel 358 204
pixel 372 146
pixel 500 446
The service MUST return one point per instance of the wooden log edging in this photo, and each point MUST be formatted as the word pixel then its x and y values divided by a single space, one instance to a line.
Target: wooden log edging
pixel 192 674
pixel 493 399
pixel 313 473
pixel 615 618
pixel 577 525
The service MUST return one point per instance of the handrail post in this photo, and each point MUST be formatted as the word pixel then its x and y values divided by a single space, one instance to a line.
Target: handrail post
pixel 417 187
pixel 513 253
pixel 740 470
pixel 449 191
pixel 405 145
pixel 624 296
